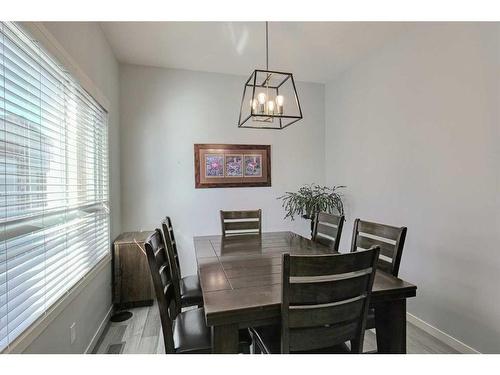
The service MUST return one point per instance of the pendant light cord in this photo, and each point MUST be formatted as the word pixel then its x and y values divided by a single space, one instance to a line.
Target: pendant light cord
pixel 267 46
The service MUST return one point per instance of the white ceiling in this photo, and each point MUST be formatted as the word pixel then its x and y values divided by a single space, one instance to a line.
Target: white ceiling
pixel 313 51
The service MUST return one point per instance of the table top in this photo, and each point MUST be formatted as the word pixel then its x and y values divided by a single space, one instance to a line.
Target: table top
pixel 133 237
pixel 242 275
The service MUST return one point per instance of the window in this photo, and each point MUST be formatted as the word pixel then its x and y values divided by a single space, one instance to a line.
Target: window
pixel 54 217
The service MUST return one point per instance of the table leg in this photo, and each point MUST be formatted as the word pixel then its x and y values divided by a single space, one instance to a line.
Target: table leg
pixel 225 339
pixel 390 324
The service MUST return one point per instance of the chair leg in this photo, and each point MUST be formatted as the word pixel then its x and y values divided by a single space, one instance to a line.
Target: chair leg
pixel 376 350
pixel 254 348
pixel 355 344
pixel 245 349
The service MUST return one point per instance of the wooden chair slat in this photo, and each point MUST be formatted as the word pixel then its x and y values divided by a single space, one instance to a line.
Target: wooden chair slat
pixel 161 257
pixel 238 222
pixel 254 214
pixel 165 276
pixel 304 339
pixel 327 230
pixel 324 241
pixel 383 231
pixel 242 225
pixel 386 249
pixel 325 233
pixel 331 313
pixel 380 230
pixel 323 217
pixel 168 231
pixel 311 265
pixel 163 268
pixel 327 291
pixel 168 291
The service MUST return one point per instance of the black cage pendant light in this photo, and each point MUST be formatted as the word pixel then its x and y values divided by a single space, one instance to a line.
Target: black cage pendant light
pixel 270 99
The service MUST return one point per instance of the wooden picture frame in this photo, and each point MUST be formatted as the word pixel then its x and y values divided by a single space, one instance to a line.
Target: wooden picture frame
pixel 232 165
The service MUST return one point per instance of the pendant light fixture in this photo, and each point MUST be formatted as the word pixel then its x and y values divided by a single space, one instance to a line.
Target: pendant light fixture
pixel 270 99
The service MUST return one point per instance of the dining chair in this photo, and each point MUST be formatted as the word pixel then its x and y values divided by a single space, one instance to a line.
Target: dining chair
pixel 391 241
pixel 187 289
pixel 241 222
pixel 328 230
pixel 183 332
pixel 325 300
pixel 168 228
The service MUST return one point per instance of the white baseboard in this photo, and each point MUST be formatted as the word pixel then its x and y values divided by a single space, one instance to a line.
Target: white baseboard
pixel 99 331
pixel 440 335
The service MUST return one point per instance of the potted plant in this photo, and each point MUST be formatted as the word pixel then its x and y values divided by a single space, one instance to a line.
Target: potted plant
pixel 311 199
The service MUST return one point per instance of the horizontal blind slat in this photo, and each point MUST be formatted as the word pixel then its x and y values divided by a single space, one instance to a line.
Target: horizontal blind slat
pixel 54 220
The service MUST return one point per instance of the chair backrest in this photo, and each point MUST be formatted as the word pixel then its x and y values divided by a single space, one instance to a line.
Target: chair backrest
pixel 159 267
pixel 168 230
pixel 326 300
pixel 328 229
pixel 390 239
pixel 173 263
pixel 241 222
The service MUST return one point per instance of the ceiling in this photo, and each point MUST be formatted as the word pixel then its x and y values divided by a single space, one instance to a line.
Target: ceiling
pixel 313 51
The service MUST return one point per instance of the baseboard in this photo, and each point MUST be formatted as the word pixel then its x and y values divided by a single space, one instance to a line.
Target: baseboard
pixel 99 331
pixel 440 335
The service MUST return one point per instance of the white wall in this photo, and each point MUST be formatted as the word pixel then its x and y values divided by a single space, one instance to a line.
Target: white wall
pixel 86 44
pixel 413 131
pixel 165 112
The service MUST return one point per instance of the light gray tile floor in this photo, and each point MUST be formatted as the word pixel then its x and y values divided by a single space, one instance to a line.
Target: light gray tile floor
pixel 141 334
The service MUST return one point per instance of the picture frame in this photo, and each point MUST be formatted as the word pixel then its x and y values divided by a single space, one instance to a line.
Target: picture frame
pixel 232 165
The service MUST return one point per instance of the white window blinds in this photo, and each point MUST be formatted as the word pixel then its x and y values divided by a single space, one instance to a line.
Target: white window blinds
pixel 54 219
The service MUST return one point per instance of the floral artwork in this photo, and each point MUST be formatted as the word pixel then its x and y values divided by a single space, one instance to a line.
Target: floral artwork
pixel 214 165
pixel 253 165
pixel 234 165
pixel 231 165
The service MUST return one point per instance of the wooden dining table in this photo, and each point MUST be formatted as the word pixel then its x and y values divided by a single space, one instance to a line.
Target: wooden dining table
pixel 241 283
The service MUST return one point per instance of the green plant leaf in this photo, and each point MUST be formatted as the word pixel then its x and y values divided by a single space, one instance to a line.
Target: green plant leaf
pixel 311 199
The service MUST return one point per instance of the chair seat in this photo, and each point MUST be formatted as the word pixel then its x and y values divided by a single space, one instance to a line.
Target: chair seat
pixel 191 334
pixel 268 339
pixel 191 291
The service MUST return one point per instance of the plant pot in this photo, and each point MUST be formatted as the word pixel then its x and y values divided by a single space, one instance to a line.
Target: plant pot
pixel 312 223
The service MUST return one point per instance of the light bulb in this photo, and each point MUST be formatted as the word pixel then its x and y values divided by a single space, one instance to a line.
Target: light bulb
pixel 270 107
pixel 279 103
pixel 253 104
pixel 262 101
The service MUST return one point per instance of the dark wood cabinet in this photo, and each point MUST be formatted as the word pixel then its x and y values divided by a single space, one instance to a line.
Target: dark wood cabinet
pixel 132 283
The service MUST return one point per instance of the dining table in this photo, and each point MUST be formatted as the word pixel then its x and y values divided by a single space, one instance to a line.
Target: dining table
pixel 240 278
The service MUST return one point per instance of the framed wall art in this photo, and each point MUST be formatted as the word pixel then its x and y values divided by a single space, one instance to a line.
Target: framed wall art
pixel 224 165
